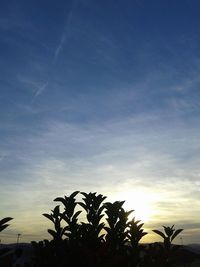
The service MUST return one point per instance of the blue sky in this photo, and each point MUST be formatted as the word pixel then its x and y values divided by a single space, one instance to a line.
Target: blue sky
pixel 100 96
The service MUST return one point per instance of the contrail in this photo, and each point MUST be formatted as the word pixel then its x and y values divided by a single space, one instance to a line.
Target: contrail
pixel 65 34
pixel 60 46
pixel 38 86
pixel 39 91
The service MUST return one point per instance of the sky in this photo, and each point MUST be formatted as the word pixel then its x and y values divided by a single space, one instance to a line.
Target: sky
pixel 100 96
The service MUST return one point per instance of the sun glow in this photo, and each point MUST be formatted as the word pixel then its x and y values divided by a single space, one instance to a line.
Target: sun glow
pixel 139 201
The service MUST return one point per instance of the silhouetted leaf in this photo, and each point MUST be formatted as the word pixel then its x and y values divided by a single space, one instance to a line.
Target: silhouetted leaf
pixel 56 211
pixel 48 216
pixel 5 220
pixel 77 214
pixel 74 194
pixel 159 233
pixel 84 194
pixel 169 230
pixel 2 227
pixel 52 232
pixel 176 233
pixel 83 205
pixel 107 229
pixel 60 199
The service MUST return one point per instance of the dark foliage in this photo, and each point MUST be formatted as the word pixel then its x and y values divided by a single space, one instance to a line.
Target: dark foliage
pixel 3 223
pixel 106 237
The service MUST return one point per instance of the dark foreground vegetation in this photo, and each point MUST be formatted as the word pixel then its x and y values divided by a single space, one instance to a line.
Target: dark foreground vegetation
pixel 103 237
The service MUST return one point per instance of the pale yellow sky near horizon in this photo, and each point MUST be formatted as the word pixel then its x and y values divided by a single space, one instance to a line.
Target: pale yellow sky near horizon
pixel 149 206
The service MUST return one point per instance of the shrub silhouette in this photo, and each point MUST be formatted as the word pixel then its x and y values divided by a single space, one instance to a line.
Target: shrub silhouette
pixel 106 238
pixel 56 218
pixel 117 220
pixel 72 230
pixel 90 231
pixel 166 255
pixel 135 234
pixel 168 236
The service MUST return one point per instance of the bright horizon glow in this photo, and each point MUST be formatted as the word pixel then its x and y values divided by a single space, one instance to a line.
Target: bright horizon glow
pixel 140 201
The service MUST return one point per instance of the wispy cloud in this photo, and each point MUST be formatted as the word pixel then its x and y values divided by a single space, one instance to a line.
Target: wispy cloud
pixel 66 33
pixel 40 89
pixel 188 84
pixel 60 46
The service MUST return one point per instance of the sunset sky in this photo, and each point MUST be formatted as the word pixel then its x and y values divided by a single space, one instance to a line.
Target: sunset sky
pixel 100 96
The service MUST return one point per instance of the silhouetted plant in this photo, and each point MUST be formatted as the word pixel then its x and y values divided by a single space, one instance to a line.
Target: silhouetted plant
pixel 135 234
pixel 3 223
pixel 169 235
pixel 167 253
pixel 90 231
pixel 72 230
pixel 56 219
pixel 85 244
pixel 117 219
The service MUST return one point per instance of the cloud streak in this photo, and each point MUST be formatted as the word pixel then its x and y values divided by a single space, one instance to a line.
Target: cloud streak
pixel 38 87
pixel 66 33
pixel 60 46
pixel 39 90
